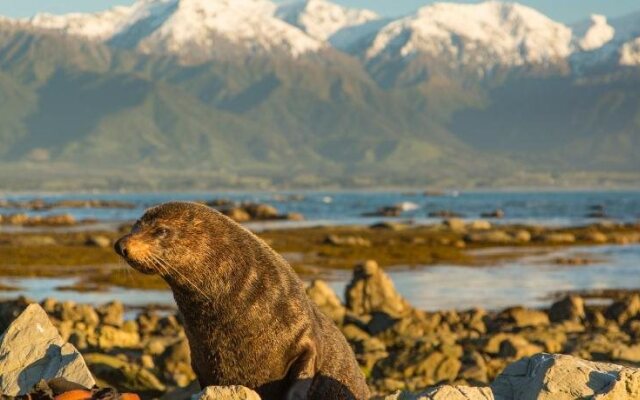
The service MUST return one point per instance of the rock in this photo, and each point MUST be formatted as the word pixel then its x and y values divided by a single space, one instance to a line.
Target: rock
pixel 625 237
pixel 552 339
pixel 455 224
pixel 217 203
pixel 124 375
pixel 446 393
pixel 237 214
pixel 294 216
pixel 492 345
pixel 557 238
pixel 327 300
pixel 622 311
pixel 15 219
pixel 445 214
pixel 390 211
pixel 87 315
pixel 347 241
pixel 226 393
pixel 389 225
pixel 177 363
pixel 372 290
pixel 594 237
pixel 480 225
pixel 518 347
pixel 499 213
pixel 182 393
pixel 573 261
pixel 626 386
pixel 98 241
pixel 31 350
pixel 112 313
pixel 523 317
pixel 571 308
pixel 496 236
pixel 626 353
pixel 110 337
pixel 560 377
pixel 261 211
pixel 522 236
pixel 51 220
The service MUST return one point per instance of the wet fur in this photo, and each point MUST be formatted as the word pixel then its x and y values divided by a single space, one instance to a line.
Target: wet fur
pixel 247 317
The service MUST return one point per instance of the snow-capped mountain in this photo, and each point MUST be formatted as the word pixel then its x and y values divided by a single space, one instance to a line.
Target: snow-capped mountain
pixel 630 53
pixel 190 28
pixel 486 34
pixel 479 36
pixel 594 33
pixel 322 19
pixel 602 42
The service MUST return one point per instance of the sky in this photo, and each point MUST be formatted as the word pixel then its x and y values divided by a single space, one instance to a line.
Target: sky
pixel 567 11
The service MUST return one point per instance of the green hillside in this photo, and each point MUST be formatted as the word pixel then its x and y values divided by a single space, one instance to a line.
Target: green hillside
pixel 79 115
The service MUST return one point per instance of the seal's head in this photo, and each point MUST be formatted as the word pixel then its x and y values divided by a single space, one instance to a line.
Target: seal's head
pixel 165 238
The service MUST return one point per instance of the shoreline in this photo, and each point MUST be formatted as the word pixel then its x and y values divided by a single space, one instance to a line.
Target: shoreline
pixel 398 346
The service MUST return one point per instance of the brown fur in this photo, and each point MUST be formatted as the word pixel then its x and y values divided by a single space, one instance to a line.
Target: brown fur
pixel 247 317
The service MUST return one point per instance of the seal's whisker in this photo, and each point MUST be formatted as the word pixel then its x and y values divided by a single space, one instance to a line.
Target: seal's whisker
pixel 183 276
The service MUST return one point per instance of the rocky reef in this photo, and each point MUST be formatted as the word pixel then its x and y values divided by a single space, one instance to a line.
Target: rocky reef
pixel 404 352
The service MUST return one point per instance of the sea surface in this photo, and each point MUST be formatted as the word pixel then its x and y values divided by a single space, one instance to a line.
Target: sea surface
pixel 532 280
pixel 348 207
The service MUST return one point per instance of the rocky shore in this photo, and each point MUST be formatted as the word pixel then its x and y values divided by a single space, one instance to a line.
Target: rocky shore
pixel 484 354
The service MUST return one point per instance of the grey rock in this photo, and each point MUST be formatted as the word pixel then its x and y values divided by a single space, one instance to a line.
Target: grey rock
pixel 571 308
pixel 446 393
pixel 560 377
pixel 226 393
pixel 99 241
pixel 31 349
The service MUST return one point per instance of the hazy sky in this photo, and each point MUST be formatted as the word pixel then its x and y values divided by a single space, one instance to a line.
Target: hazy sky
pixel 563 10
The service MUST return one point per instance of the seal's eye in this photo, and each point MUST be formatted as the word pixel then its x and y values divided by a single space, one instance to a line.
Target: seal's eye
pixel 136 226
pixel 160 232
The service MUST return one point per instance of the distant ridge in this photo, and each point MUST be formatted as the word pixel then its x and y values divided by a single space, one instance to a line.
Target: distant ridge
pixel 312 93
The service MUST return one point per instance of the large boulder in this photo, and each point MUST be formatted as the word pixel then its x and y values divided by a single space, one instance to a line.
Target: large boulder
pixel 327 300
pixel 560 377
pixel 226 393
pixel 371 290
pixel 446 393
pixel 31 349
pixel 570 308
pixel 624 310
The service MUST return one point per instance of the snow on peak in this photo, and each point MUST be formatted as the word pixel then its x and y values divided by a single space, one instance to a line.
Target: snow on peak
pixel 488 33
pixel 595 33
pixel 98 26
pixel 322 19
pixel 199 23
pixel 178 26
pixel 630 53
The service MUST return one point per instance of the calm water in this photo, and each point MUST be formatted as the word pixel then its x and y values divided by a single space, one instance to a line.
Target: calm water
pixel 564 208
pixel 532 281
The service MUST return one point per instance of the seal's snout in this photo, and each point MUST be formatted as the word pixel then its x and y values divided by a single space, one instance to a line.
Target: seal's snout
pixel 121 247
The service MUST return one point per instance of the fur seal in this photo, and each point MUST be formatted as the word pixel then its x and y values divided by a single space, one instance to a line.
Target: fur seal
pixel 247 317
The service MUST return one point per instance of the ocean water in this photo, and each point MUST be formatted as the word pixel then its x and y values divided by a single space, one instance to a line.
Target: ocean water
pixel 348 207
pixel 532 280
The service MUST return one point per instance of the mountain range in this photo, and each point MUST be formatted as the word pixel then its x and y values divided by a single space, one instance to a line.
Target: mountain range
pixel 252 93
